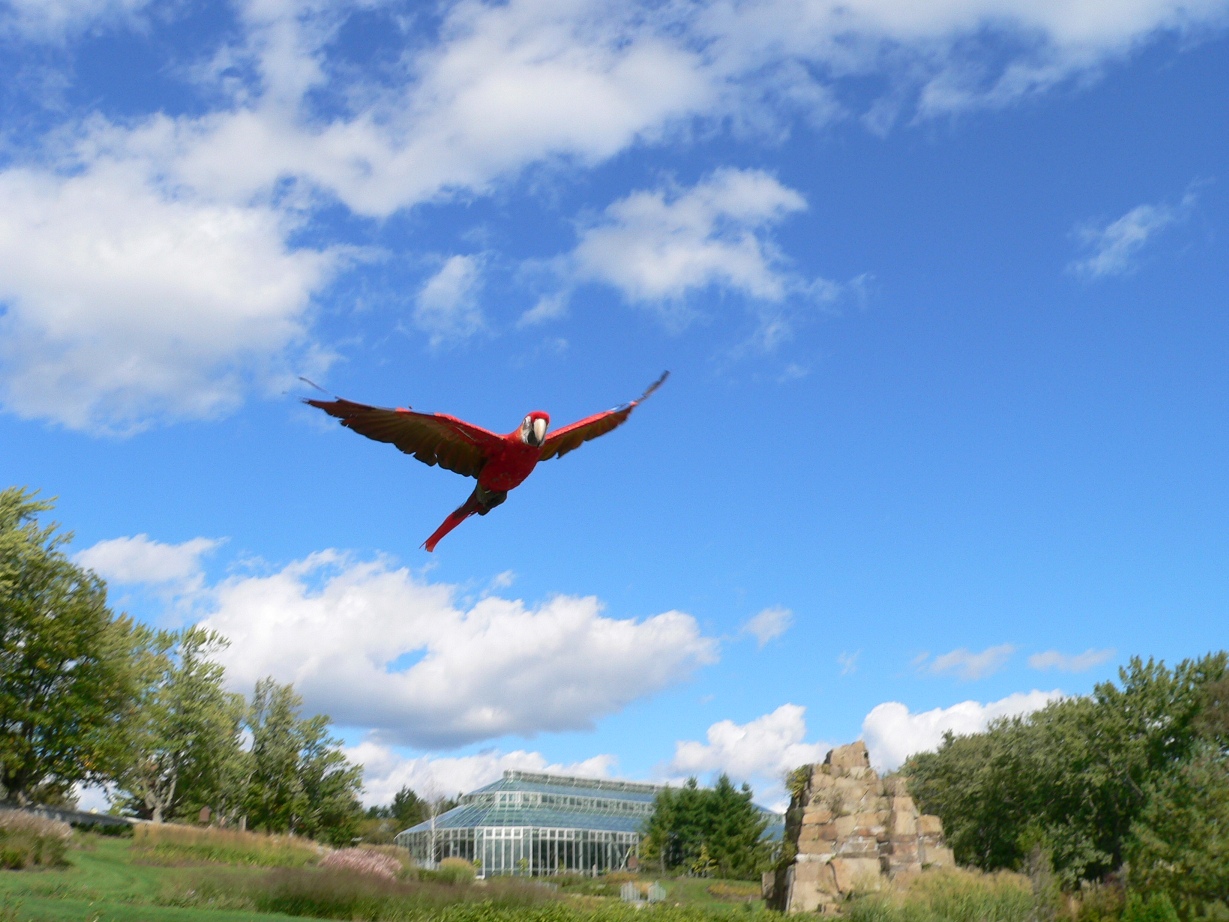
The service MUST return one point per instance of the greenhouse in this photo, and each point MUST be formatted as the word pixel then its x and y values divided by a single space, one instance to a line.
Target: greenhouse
pixel 534 824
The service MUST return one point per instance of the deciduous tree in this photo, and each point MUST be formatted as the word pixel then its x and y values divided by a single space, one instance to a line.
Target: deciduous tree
pixel 66 661
pixel 185 735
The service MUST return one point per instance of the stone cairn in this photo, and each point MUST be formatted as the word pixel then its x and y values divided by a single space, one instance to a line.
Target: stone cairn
pixel 850 831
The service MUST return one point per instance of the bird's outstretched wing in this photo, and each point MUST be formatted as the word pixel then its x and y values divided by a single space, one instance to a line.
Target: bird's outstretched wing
pixel 572 436
pixel 432 438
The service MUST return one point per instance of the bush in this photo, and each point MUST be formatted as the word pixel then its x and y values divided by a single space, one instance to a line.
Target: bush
pixel 1156 908
pixel 1100 902
pixel 452 871
pixel 165 843
pixel 28 840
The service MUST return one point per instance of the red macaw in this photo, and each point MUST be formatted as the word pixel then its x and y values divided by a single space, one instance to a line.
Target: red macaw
pixel 499 462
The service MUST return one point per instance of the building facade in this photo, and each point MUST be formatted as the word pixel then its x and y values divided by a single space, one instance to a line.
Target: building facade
pixel 533 824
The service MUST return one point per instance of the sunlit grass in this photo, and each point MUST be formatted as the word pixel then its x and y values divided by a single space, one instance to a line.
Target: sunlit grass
pixel 949 896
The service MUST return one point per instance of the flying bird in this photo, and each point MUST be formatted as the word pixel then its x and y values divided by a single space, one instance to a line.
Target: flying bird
pixel 499 462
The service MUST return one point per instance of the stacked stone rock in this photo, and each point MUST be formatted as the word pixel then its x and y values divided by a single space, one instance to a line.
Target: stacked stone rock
pixel 851 831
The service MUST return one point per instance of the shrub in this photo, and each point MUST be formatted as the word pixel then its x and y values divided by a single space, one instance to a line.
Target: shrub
pixel 1100 902
pixel 1156 908
pixel 363 861
pixel 28 840
pixel 166 843
pixel 453 871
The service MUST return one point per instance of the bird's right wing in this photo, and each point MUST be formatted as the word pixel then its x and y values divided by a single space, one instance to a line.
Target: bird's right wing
pixel 432 438
pixel 572 436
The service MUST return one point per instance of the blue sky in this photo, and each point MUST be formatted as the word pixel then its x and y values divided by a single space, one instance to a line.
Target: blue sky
pixel 941 291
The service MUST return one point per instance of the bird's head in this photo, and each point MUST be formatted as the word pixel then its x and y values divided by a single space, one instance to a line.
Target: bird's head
pixel 533 429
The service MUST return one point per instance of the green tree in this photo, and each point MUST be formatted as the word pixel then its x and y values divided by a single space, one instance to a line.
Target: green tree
pixel 718 829
pixel 300 781
pixel 1071 778
pixel 1179 844
pixel 66 661
pixel 185 736
pixel 408 808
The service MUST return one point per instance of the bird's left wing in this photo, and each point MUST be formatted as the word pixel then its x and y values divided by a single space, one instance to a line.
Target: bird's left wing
pixel 572 436
pixel 432 438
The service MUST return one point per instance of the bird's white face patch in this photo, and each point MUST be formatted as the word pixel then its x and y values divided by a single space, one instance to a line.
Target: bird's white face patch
pixel 533 430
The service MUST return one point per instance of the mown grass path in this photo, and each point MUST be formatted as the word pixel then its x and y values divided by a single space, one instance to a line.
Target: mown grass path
pixel 103 883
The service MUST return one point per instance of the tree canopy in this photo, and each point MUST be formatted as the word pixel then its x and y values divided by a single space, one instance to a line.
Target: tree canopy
pixel 1083 777
pixel 709 831
pixel 67 681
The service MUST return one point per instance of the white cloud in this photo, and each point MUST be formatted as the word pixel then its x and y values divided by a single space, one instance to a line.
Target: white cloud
pixel 1114 245
pixel 770 623
pixel 892 732
pixel 123 303
pixel 140 559
pixel 447 306
pixel 52 20
pixel 659 245
pixel 1066 662
pixel 386 771
pixel 849 662
pixel 150 276
pixel 372 646
pixel 967 664
pixel 762 750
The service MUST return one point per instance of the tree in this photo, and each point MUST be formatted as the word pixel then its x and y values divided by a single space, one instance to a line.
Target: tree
pixel 1179 844
pixel 717 830
pixel 66 661
pixel 407 808
pixel 300 781
pixel 1071 778
pixel 185 735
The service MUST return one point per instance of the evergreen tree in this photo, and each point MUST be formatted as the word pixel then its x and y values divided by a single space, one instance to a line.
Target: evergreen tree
pixel 1179 845
pixel 708 831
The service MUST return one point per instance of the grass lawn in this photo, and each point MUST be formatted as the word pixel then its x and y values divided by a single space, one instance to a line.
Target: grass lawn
pixel 102 883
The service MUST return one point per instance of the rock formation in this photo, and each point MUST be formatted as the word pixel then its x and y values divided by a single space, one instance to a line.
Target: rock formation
pixel 849 830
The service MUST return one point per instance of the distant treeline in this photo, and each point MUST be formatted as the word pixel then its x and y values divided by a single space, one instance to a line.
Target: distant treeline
pixel 1131 782
pixel 90 696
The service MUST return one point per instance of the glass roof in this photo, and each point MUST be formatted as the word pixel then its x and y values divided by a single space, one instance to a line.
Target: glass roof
pixel 560 802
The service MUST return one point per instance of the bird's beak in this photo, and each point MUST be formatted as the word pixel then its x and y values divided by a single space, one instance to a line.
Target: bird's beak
pixel 539 431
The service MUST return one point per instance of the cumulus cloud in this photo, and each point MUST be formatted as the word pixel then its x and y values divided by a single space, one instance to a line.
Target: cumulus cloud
pixel 893 733
pixel 386 771
pixel 770 623
pixel 965 663
pixel 447 306
pixel 658 246
pixel 139 559
pixel 1112 247
pixel 762 750
pixel 1066 662
pixel 123 303
pixel 372 646
pixel 95 336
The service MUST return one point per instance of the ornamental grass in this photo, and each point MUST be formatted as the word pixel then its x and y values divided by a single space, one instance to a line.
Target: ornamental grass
pixel 28 840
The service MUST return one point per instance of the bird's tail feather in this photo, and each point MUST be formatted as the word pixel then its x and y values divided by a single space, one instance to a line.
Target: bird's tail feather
pixel 455 518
